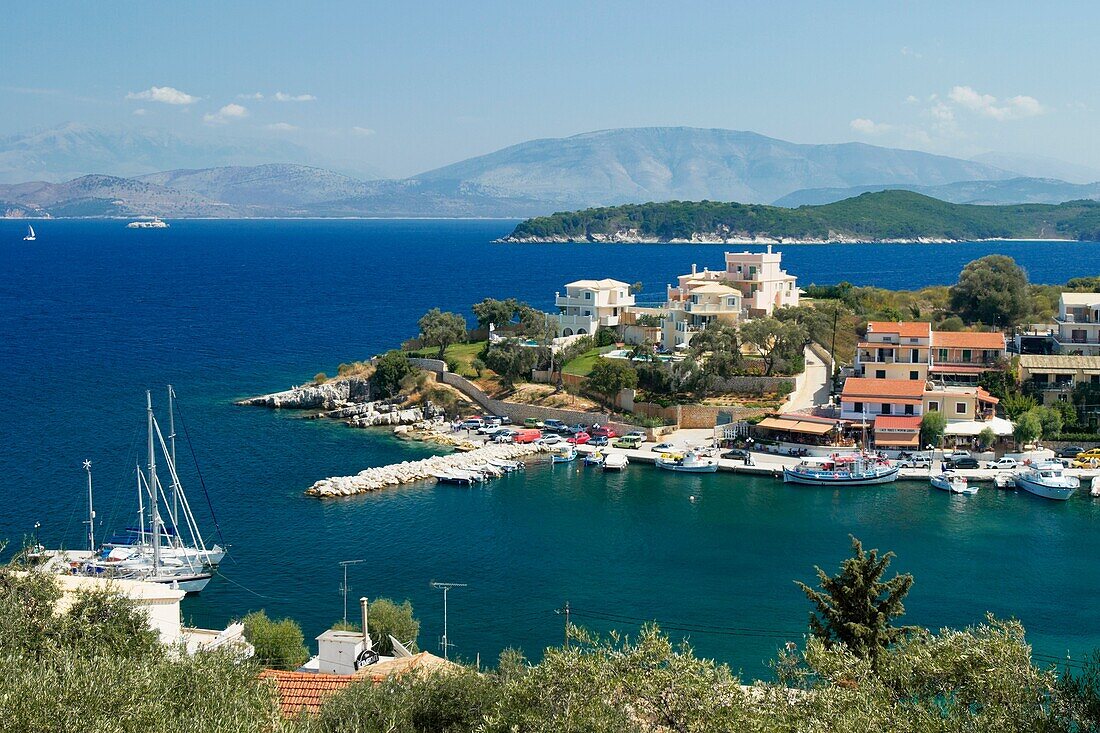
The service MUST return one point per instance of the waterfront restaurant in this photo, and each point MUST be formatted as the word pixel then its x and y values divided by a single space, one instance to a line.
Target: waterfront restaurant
pixel 801 429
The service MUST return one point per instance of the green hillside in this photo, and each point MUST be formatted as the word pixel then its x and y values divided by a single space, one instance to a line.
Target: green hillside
pixel 870 216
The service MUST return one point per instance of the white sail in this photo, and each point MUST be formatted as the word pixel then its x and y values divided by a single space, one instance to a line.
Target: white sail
pixel 30 234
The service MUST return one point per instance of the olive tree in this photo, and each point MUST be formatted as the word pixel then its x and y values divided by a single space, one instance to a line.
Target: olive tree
pixel 441 329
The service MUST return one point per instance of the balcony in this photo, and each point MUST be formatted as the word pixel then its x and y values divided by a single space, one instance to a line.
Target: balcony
pixel 711 308
pixel 1052 386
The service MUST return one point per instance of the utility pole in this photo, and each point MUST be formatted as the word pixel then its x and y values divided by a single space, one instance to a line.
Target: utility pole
pixel 445 587
pixel 565 611
pixel 344 588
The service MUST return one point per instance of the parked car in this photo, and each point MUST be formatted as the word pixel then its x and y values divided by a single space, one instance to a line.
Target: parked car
pixel 606 432
pixel 472 423
pixel 579 438
pixel 966 461
pixel 578 428
pixel 736 454
pixel 915 460
pixel 492 420
pixel 632 442
pixel 1004 464
pixel 663 448
pixel 598 441
pixel 956 454
pixel 489 429
pixel 639 433
pixel 556 426
pixel 1069 451
pixel 505 436
pixel 551 439
pixel 1090 453
pixel 532 422
pixel 527 435
pixel 1084 460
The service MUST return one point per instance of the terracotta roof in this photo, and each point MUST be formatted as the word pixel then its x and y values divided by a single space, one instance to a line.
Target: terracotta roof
pixel 860 387
pixel 897 422
pixel 986 397
pixel 904 329
pixel 304 691
pixel 968 340
pixel 960 369
pixel 395 667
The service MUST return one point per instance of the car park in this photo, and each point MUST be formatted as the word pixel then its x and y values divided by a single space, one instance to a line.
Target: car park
pixel 966 461
pixel 1004 464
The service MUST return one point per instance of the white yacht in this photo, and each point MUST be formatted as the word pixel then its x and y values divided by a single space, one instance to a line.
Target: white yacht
pixel 953 482
pixel 1048 480
pixel 154 223
pixel 30 234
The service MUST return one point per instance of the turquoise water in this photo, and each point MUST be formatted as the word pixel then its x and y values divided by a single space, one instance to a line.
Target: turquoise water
pixel 94 314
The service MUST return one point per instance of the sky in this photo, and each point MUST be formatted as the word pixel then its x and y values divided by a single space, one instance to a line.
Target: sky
pixel 400 88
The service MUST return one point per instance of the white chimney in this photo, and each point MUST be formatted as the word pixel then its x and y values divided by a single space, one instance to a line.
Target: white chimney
pixel 769 249
pixel 366 631
pixel 693 266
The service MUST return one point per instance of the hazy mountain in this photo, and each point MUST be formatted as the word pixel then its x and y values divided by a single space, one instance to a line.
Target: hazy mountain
pixel 1011 191
pixel 276 186
pixel 1037 166
pixel 73 150
pixel 667 163
pixel 98 195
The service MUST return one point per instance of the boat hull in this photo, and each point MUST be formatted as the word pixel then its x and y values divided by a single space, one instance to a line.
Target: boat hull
pixel 1055 493
pixel 795 477
pixel 713 468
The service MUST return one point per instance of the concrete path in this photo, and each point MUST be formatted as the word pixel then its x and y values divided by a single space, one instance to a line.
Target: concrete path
pixel 813 388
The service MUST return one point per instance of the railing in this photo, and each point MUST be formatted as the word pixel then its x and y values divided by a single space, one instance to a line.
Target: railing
pixel 710 308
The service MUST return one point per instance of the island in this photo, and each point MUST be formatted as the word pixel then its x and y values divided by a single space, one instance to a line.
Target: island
pixel 884 216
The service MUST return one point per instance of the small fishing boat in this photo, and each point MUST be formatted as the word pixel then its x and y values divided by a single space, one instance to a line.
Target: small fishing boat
pixel 30 234
pixel 1094 487
pixel 859 469
pixel 688 462
pixel 508 466
pixel 615 462
pixel 1005 480
pixel 1048 480
pixel 564 454
pixel 459 479
pixel 953 482
pixel 595 458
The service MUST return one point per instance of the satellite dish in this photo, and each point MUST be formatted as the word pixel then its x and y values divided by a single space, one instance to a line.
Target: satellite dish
pixel 399 649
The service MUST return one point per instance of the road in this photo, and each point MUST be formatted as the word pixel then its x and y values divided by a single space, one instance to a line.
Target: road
pixel 814 386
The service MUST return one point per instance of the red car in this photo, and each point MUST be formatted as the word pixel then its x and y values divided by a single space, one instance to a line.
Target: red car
pixel 579 439
pixel 603 433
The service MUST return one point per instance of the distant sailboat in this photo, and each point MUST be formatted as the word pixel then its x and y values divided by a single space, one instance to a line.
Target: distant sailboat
pixel 30 234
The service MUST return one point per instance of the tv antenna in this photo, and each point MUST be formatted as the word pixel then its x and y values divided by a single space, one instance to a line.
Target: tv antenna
pixel 445 587
pixel 344 587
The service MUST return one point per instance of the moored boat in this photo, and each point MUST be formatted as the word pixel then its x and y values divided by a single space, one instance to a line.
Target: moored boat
pixel 30 234
pixel 615 462
pixel 953 482
pixel 841 470
pixel 1094 487
pixel 595 458
pixel 1048 480
pixel 565 454
pixel 688 462
pixel 1005 480
pixel 154 223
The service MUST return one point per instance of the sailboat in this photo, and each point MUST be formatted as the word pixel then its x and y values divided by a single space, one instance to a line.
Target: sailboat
pixel 153 551
pixel 30 234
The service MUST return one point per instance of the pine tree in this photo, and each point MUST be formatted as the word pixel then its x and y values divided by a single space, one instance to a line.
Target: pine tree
pixel 855 608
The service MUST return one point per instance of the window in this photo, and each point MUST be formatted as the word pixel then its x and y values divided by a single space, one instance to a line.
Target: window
pixel 887 408
pixel 933 406
pixel 587 312
pixel 960 408
pixel 908 409
pixel 880 374
pixel 731 302
pixel 914 376
pixel 942 356
pixel 914 355
pixel 966 355
pixel 914 341
pixel 588 295
pixel 1095 379
pixel 857 407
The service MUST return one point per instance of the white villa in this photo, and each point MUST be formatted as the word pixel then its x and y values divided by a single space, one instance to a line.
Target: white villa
pixel 763 283
pixel 591 304
pixel 1078 323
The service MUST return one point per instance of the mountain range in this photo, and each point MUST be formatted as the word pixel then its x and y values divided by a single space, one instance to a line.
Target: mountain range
pixel 142 173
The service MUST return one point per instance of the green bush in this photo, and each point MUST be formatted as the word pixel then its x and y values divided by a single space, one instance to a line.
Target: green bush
pixel 279 644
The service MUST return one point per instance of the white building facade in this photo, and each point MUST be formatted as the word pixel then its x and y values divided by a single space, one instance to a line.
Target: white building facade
pixel 588 305
pixel 1078 323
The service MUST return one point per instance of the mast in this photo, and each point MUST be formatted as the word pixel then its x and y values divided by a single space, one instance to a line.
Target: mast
pixel 151 481
pixel 141 504
pixel 175 511
pixel 91 510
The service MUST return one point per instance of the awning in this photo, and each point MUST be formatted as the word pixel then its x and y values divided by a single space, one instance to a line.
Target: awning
pixel 795 426
pixel 998 425
pixel 898 440
pixel 959 369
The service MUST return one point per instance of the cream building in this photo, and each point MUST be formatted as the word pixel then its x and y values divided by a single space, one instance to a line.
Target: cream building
pixel 895 351
pixel 764 284
pixel 588 305
pixel 1078 324
pixel 696 304
pixel 1053 377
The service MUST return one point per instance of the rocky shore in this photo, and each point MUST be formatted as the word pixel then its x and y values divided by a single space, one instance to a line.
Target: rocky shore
pixel 328 395
pixel 633 236
pixel 381 477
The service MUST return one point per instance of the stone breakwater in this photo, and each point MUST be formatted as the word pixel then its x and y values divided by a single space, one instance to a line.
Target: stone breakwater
pixel 381 477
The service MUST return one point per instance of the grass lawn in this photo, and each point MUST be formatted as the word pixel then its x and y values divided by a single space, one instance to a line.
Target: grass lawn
pixel 461 353
pixel 583 364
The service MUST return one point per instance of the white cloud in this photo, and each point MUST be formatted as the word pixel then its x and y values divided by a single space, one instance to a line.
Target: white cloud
pixel 864 126
pixel 282 97
pixel 254 96
pixel 281 127
pixel 167 95
pixel 911 99
pixel 225 114
pixel 141 111
pixel 989 106
pixel 363 131
pixel 942 112
pixel 906 51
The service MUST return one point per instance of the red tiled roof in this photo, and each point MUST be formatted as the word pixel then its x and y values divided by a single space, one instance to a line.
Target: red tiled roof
pixel 862 387
pixel 968 340
pixel 986 397
pixel 960 369
pixel 304 691
pixel 904 329
pixel 897 422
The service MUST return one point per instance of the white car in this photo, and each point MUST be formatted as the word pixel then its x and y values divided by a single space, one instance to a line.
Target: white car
pixel 956 454
pixel 663 448
pixel 919 460
pixel 552 439
pixel 490 429
pixel 505 436
pixel 1004 464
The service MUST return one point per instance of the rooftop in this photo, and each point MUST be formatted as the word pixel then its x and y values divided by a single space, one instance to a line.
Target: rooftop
pixel 304 691
pixel 897 422
pixel 859 387
pixel 605 284
pixel 1081 298
pixel 968 340
pixel 1056 361
pixel 714 289
pixel 904 329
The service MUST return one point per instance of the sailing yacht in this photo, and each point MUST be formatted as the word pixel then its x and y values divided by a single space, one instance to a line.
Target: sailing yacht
pixel 30 234
pixel 153 551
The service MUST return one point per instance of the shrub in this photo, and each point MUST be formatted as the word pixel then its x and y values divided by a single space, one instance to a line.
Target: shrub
pixel 393 367
pixel 320 378
pixel 279 644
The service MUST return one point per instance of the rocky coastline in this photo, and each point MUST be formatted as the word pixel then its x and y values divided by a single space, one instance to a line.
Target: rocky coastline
pixel 633 236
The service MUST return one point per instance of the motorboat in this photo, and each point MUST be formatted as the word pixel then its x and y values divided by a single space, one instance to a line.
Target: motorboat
pixel 615 462
pixel 687 462
pixel 953 482
pixel 30 234
pixel 1005 480
pixel 595 458
pixel 454 477
pixel 153 223
pixel 1094 487
pixel 858 469
pixel 1048 480
pixel 564 454
pixel 508 466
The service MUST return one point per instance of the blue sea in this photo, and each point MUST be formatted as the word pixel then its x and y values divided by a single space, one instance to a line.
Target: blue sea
pixel 93 314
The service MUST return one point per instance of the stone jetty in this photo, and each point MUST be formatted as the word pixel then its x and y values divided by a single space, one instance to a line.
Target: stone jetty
pixel 381 477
